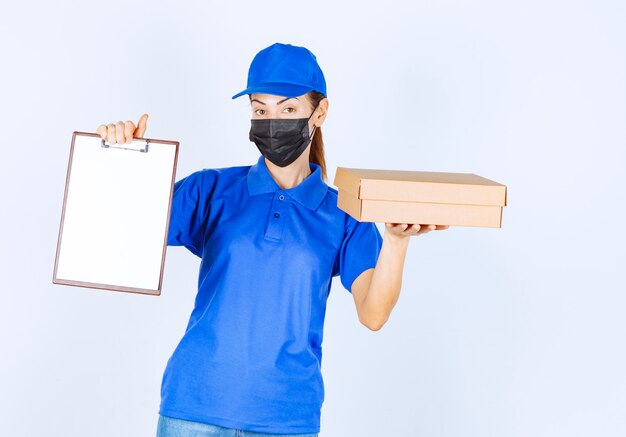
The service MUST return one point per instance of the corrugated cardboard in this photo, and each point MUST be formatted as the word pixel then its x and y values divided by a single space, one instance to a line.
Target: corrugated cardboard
pixel 437 198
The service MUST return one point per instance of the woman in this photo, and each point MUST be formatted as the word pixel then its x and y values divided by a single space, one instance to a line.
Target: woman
pixel 271 238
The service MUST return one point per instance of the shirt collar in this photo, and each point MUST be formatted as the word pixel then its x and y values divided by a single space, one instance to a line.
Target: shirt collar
pixel 310 192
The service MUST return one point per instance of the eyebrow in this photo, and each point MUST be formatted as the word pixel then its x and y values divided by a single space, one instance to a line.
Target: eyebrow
pixel 278 103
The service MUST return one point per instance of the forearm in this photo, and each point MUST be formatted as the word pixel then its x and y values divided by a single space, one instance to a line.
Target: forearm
pixel 386 281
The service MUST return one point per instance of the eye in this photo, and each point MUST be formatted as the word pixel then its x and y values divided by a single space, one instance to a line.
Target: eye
pixel 292 109
pixel 257 111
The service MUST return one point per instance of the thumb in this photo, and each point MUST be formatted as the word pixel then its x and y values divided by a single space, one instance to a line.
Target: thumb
pixel 141 126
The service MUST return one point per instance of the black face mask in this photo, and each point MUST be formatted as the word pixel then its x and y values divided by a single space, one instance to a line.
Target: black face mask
pixel 281 140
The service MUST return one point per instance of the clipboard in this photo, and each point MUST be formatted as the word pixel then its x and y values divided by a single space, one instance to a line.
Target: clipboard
pixel 116 213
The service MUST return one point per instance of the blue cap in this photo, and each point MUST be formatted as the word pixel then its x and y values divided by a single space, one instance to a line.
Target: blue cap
pixel 284 70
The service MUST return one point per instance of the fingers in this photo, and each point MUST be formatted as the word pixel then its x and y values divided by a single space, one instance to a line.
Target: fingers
pixel 129 128
pixel 416 229
pixel 111 137
pixel 119 132
pixel 405 228
pixel 102 131
pixel 413 229
pixel 409 229
pixel 122 132
pixel 141 126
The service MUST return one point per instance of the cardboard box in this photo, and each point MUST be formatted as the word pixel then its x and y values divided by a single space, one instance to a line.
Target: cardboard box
pixel 426 198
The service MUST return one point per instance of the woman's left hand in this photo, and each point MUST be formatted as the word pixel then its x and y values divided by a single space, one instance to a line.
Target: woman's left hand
pixel 408 229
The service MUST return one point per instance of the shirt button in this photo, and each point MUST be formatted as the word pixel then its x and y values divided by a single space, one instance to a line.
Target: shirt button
pixel 276 215
pixel 281 197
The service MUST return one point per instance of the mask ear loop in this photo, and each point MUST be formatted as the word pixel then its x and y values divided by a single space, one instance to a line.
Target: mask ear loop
pixel 314 126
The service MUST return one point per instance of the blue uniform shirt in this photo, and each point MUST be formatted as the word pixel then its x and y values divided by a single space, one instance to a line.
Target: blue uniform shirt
pixel 251 354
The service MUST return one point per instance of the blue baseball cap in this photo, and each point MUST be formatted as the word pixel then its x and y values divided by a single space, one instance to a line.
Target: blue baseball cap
pixel 284 70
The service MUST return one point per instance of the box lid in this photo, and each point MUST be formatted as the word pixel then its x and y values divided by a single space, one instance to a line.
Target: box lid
pixel 420 186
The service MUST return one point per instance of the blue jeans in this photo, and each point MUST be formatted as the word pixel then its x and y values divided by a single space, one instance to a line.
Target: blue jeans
pixel 171 427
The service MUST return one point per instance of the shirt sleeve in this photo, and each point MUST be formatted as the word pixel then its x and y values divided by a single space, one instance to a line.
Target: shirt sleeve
pixel 358 252
pixel 187 215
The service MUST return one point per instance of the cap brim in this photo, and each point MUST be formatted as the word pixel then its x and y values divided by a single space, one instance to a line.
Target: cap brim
pixel 278 89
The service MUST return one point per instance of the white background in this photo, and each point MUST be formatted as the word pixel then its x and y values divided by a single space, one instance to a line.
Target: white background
pixel 517 331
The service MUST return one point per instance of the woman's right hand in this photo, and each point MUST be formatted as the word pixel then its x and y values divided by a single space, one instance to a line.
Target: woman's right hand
pixel 123 132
